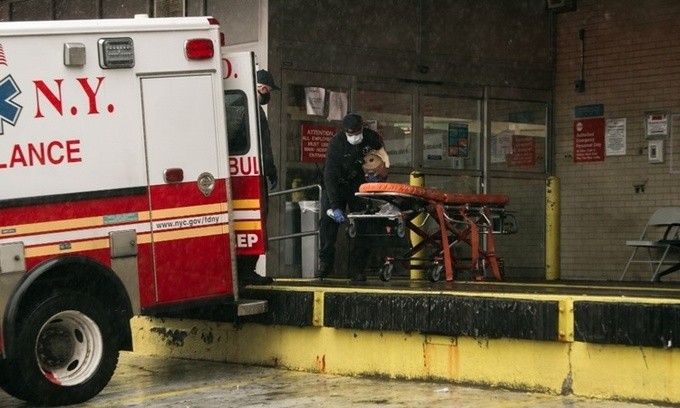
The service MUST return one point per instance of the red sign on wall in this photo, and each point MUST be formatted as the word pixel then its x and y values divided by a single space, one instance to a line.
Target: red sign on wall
pixel 314 142
pixel 588 140
pixel 523 152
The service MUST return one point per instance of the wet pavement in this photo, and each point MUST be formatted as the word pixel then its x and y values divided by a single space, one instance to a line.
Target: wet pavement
pixel 143 381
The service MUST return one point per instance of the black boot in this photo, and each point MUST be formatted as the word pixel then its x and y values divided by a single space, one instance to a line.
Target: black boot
pixel 325 269
pixel 253 278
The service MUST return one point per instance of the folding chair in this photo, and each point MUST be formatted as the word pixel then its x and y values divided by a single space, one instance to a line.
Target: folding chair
pixel 659 237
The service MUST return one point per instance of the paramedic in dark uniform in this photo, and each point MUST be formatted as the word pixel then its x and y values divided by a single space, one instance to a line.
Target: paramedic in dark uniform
pixel 342 176
pixel 246 263
pixel 265 85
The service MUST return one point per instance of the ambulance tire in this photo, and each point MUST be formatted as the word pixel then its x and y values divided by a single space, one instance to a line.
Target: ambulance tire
pixel 7 385
pixel 66 351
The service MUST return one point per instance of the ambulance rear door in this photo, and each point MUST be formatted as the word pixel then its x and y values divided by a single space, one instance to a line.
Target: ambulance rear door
pixel 245 153
pixel 188 185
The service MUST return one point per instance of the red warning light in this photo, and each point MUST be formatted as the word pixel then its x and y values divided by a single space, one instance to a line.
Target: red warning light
pixel 173 175
pixel 199 49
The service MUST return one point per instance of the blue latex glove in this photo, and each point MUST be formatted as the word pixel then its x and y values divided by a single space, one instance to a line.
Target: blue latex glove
pixel 374 178
pixel 273 182
pixel 337 215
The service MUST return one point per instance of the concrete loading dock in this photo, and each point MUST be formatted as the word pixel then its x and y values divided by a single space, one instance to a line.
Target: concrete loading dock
pixel 574 338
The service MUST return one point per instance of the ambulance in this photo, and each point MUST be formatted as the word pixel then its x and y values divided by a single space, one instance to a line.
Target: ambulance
pixel 129 183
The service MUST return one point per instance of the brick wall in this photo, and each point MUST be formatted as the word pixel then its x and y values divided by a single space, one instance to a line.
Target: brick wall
pixel 632 65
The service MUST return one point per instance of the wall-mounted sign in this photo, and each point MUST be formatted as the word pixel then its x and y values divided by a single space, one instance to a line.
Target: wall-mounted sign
pixel 656 125
pixel 615 137
pixel 589 111
pixel 314 142
pixel 588 140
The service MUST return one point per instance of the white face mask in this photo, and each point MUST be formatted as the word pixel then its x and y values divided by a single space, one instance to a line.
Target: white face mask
pixel 355 139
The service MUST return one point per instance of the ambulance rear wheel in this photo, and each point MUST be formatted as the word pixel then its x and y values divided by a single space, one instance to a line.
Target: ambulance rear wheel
pixel 7 385
pixel 385 272
pixel 66 351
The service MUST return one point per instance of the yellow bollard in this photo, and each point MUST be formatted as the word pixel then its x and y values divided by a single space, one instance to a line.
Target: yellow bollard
pixel 552 228
pixel 417 179
pixel 298 195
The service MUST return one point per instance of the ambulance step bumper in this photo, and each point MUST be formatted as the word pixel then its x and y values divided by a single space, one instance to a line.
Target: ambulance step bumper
pixel 247 307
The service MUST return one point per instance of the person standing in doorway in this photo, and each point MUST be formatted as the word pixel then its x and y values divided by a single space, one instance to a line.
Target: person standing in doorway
pixel 342 176
pixel 265 85
pixel 246 264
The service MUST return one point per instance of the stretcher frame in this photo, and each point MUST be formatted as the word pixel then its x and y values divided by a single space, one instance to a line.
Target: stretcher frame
pixel 463 219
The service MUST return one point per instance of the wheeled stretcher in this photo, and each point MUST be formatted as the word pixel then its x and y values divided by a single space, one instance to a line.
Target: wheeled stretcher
pixel 462 220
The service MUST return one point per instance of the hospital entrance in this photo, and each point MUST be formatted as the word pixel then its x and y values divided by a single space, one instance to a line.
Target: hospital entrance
pixel 469 140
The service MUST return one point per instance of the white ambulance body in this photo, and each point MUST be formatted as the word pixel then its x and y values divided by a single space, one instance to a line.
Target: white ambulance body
pixel 115 190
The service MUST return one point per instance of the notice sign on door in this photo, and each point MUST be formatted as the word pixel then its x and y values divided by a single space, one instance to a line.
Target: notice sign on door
pixel 459 140
pixel 523 152
pixel 314 142
pixel 588 140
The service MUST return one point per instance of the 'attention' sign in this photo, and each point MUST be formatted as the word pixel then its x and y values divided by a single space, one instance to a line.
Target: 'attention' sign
pixel 314 142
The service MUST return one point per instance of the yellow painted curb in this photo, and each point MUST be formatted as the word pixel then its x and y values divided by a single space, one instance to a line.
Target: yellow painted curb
pixel 599 371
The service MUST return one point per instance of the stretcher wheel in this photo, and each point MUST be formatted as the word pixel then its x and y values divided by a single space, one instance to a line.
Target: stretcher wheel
pixel 434 272
pixel 385 272
pixel 401 231
pixel 352 230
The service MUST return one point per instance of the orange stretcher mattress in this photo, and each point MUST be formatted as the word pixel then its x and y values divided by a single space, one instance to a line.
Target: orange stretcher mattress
pixel 435 195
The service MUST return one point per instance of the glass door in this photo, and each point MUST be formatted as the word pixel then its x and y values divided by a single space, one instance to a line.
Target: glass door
pixel 451 136
pixel 389 110
pixel 313 106
pixel 517 153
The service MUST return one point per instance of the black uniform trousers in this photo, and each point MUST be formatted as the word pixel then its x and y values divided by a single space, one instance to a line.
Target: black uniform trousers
pixel 359 249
